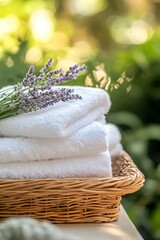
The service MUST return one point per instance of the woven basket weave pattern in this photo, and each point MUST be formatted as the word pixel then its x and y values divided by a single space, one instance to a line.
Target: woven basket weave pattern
pixel 71 200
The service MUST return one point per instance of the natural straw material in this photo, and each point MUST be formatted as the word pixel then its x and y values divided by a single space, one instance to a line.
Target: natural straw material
pixel 71 200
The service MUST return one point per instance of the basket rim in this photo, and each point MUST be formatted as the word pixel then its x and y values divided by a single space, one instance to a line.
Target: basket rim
pixel 120 184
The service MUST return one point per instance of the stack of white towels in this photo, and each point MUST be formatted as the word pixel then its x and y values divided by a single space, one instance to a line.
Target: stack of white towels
pixel 68 140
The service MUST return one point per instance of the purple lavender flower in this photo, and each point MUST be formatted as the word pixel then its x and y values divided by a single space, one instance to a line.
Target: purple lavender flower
pixel 36 101
pixel 27 79
pixel 37 92
pixel 40 92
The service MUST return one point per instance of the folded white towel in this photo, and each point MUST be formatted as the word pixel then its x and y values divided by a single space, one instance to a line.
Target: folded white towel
pixel 86 141
pixel 92 166
pixel 114 135
pixel 114 139
pixel 60 120
pixel 118 148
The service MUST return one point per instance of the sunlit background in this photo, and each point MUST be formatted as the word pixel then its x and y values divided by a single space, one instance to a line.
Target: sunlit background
pixel 124 35
pixel 73 30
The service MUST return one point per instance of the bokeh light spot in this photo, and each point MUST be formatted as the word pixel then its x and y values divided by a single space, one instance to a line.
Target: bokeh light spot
pixel 8 25
pixel 33 55
pixel 42 25
pixel 130 32
pixel 83 7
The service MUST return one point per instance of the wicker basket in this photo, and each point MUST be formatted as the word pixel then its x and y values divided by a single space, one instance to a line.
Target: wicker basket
pixel 71 200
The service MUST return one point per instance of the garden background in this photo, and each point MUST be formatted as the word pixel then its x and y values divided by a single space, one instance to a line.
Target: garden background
pixel 123 35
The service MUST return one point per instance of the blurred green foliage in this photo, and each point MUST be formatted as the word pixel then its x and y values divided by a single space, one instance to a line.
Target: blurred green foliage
pixel 124 36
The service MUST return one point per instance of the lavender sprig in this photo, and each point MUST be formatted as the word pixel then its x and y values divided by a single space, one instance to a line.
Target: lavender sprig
pixel 38 92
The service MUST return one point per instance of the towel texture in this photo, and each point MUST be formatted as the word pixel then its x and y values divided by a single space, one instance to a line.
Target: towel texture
pixel 114 139
pixel 86 141
pixel 60 120
pixel 114 135
pixel 92 166
pixel 116 150
pixel 68 140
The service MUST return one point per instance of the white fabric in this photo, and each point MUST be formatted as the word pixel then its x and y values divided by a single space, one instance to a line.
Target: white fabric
pixel 113 133
pixel 86 141
pixel 60 120
pixel 92 166
pixel 114 139
pixel 116 150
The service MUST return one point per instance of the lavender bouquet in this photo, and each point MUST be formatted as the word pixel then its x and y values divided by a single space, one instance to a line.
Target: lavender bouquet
pixel 37 92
